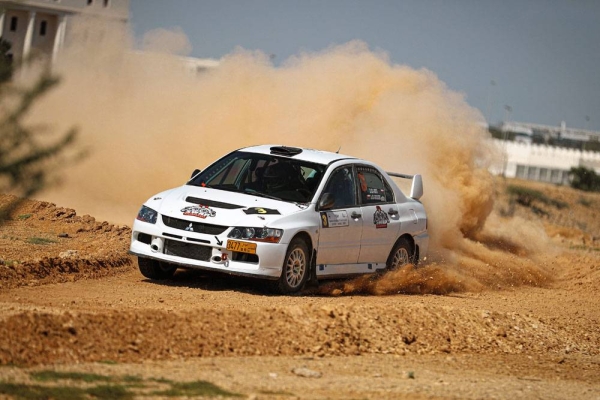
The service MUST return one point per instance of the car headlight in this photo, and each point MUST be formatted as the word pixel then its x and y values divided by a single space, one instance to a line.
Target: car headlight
pixel 147 214
pixel 257 234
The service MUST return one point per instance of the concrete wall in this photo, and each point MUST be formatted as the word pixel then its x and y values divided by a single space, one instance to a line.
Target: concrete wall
pixel 43 42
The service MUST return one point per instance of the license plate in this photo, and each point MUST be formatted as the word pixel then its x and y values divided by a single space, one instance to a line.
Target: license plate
pixel 241 247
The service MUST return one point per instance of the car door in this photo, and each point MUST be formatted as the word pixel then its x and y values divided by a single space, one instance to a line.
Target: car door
pixel 341 224
pixel 381 220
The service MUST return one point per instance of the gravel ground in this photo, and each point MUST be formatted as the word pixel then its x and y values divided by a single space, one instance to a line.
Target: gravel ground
pixel 72 300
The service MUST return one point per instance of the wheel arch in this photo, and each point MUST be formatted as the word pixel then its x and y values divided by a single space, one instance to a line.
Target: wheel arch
pixel 303 235
pixel 312 268
pixel 415 249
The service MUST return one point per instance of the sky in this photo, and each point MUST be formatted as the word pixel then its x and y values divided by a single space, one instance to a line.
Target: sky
pixel 541 58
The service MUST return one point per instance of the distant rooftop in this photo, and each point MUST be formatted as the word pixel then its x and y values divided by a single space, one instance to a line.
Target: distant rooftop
pixel 560 132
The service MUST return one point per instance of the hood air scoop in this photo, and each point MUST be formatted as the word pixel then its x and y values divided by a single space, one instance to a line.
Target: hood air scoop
pixel 212 203
pixel 285 151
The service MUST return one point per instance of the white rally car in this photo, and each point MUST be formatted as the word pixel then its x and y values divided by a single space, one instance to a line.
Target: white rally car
pixel 285 214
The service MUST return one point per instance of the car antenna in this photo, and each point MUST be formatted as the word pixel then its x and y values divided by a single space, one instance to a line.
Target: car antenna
pixel 338 150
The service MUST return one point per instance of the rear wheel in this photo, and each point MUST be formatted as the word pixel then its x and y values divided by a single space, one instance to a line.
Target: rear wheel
pixel 295 268
pixel 401 255
pixel 154 269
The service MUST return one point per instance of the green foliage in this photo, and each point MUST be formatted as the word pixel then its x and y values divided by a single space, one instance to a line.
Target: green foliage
pixel 35 392
pixel 29 155
pixel 110 387
pixel 110 392
pixel 585 202
pixel 196 388
pixel 6 68
pixel 276 392
pixel 48 375
pixel 38 240
pixel 526 197
pixel 586 179
pixel 23 217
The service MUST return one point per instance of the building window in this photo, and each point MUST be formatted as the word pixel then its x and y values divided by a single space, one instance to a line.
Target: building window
pixel 43 27
pixel 13 24
pixel 521 171
pixel 106 3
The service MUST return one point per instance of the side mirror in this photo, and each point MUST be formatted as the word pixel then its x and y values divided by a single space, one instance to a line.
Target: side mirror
pixel 196 172
pixel 327 201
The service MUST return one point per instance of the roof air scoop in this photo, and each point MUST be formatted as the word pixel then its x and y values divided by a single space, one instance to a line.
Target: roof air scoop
pixel 285 151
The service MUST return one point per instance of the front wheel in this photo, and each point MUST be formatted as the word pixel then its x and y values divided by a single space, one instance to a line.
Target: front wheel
pixel 401 255
pixel 154 269
pixel 295 268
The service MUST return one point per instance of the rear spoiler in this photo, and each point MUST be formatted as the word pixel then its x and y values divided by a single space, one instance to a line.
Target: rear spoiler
pixel 416 190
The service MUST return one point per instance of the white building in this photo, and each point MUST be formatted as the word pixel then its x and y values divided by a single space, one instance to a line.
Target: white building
pixel 542 162
pixel 41 26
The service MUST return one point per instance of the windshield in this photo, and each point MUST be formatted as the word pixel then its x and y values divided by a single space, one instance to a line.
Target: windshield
pixel 264 175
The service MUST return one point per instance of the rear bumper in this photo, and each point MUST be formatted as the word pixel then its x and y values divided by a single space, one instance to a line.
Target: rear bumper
pixel 422 242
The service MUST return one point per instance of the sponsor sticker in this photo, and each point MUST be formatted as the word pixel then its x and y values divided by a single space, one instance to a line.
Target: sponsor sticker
pixel 380 218
pixel 199 211
pixel 334 219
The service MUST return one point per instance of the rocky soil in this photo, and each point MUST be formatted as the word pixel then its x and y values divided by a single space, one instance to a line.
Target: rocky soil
pixel 72 301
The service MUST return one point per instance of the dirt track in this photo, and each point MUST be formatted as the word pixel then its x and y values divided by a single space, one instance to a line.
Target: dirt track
pixel 83 316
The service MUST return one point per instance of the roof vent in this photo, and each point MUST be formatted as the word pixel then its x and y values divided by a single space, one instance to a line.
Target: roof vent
pixel 285 151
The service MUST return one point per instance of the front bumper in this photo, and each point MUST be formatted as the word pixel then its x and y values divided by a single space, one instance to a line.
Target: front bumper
pixel 204 251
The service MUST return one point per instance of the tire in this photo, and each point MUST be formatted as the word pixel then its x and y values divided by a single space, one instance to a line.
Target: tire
pixel 157 270
pixel 401 255
pixel 295 269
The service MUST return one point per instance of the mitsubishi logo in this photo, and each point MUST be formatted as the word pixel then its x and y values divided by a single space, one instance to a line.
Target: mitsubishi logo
pixel 190 227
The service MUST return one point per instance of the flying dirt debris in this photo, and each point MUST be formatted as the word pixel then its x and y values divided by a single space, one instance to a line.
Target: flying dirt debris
pixel 346 95
pixel 519 309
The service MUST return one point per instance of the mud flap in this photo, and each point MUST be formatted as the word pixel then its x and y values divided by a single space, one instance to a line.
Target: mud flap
pixel 312 272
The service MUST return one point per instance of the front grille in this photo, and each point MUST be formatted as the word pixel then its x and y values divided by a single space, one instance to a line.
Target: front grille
pixel 244 257
pixel 144 238
pixel 187 250
pixel 189 226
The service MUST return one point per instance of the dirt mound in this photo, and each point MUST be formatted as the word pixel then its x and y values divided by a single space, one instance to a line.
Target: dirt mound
pixel 125 336
pixel 42 243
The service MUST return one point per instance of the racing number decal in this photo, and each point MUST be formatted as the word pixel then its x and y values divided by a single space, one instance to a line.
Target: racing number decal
pixel 334 219
pixel 260 210
pixel 324 219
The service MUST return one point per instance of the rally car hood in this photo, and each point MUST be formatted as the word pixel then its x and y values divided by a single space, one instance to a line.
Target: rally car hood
pixel 220 207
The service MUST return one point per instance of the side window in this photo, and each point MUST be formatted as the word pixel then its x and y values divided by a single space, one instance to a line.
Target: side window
pixel 373 188
pixel 342 185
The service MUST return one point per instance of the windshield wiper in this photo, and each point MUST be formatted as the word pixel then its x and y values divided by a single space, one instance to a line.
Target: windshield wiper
pixel 257 193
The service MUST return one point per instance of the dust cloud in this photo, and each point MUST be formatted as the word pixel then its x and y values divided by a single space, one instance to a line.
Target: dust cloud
pixel 149 121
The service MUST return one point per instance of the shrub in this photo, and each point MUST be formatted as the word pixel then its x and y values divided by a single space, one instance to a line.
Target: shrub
pixel 586 179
